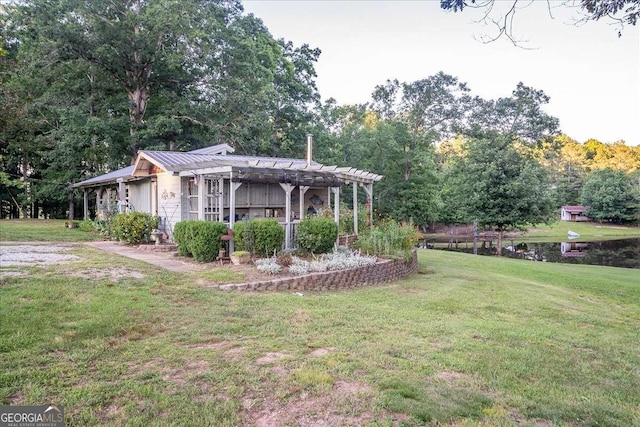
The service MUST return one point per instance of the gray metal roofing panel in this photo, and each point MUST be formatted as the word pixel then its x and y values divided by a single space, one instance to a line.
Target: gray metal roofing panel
pixel 171 159
pixel 178 161
pixel 214 149
pixel 111 176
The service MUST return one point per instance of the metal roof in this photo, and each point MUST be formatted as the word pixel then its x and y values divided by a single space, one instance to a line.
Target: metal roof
pixel 575 208
pixel 246 168
pixel 173 161
pixel 214 149
pixel 125 173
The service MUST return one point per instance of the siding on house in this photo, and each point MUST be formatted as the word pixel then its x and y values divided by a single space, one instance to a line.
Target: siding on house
pixel 169 194
pixel 140 195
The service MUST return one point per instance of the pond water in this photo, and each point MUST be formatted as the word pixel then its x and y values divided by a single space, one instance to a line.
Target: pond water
pixel 613 253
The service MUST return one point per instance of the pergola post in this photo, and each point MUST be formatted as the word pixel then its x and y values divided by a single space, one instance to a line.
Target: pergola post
pixel 355 207
pixel 221 199
pixel 201 196
pixel 288 188
pixel 303 190
pixel 336 204
pixel 154 196
pixel 122 195
pixel 86 203
pixel 233 186
pixel 368 188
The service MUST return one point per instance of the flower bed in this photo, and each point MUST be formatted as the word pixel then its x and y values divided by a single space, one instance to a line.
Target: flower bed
pixel 384 270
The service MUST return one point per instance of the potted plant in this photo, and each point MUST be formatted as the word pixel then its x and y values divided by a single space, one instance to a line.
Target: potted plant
pixel 240 257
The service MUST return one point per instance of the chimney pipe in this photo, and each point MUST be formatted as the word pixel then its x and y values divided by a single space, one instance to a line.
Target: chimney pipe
pixel 309 148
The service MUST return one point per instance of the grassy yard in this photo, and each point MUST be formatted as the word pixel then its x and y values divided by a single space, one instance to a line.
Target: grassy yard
pixel 558 230
pixel 469 341
pixel 42 230
pixel 555 232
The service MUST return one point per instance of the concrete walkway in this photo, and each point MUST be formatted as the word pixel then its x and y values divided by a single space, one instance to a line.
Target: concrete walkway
pixel 165 260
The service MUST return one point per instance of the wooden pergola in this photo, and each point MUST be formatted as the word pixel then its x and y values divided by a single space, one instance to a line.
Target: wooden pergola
pixel 292 175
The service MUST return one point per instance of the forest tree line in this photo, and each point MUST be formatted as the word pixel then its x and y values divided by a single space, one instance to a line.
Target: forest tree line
pixel 84 85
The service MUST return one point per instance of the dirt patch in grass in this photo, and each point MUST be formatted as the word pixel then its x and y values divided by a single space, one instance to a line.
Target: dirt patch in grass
pixel 351 388
pixel 344 404
pixel 35 255
pixel 114 273
pixel 181 375
pixel 270 358
pixel 4 274
pixel 15 399
pixel 319 352
pixel 111 412
pixel 235 353
pixel 219 345
pixel 449 376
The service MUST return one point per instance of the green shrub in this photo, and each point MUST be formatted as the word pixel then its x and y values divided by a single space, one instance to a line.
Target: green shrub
pixel 243 235
pixel 134 227
pixel 268 236
pixel 317 234
pixel 388 238
pixel 240 253
pixel 199 239
pixel 87 225
pixel 181 236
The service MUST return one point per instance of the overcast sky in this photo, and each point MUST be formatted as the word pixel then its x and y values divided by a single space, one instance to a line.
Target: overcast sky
pixel 591 75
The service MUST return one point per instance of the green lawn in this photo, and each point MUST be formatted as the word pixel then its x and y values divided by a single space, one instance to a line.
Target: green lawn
pixel 469 341
pixel 42 230
pixel 558 230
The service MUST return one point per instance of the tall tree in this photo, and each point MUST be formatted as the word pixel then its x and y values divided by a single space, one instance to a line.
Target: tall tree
pixel 608 194
pixel 520 116
pixel 143 46
pixel 429 108
pixel 501 186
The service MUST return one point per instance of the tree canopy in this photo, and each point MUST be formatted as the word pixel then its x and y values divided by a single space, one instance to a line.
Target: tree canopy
pixel 608 194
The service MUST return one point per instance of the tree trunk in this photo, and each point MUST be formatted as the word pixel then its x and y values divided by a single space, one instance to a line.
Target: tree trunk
pixel 27 189
pixel 70 217
pixel 499 248
pixel 138 99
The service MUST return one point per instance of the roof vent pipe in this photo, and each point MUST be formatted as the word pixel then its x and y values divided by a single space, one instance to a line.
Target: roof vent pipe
pixel 309 148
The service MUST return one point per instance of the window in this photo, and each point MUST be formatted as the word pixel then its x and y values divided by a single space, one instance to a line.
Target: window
pixel 192 198
pixel 211 207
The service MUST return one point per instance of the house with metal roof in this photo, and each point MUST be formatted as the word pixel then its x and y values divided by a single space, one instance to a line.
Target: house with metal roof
pixel 213 184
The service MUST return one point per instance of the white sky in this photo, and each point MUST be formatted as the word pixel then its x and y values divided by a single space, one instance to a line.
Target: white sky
pixel 591 75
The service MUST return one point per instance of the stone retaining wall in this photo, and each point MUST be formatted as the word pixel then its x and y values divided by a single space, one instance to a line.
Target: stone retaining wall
pixel 162 247
pixel 385 270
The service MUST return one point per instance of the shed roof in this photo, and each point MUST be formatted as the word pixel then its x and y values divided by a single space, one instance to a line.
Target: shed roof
pixel 575 208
